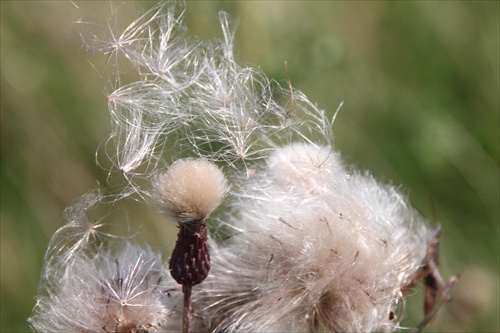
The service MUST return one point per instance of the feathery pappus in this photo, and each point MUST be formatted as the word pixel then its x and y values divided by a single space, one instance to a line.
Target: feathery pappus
pixel 276 232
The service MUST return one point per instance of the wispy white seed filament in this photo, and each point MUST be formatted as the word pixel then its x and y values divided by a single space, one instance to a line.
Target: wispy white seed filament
pixel 304 242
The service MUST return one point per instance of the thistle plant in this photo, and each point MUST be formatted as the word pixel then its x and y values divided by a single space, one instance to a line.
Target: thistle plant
pixel 301 241
pixel 189 192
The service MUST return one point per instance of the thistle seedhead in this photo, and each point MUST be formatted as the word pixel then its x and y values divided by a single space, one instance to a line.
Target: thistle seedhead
pixel 188 192
pixel 113 290
pixel 319 247
pixel 309 243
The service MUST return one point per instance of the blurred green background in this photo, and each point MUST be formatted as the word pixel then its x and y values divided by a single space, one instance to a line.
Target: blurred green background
pixel 420 85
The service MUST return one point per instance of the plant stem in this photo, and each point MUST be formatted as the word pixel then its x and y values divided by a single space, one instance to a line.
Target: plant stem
pixel 188 311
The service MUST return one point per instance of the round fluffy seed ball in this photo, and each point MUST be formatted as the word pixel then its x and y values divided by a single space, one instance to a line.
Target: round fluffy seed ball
pixel 190 190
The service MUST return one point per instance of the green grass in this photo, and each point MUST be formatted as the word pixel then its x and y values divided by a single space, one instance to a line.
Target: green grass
pixel 420 85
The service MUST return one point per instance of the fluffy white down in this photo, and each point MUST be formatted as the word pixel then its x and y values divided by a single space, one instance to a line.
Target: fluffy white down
pixel 318 249
pixel 126 289
pixel 191 189
pixel 308 244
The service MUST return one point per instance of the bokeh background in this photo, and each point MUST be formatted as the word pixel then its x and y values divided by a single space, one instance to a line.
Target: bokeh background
pixel 420 85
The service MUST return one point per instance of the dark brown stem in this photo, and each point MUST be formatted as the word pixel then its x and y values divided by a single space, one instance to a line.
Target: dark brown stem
pixel 188 311
pixel 436 291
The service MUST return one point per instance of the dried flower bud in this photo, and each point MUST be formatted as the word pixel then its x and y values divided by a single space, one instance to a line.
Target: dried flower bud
pixel 190 261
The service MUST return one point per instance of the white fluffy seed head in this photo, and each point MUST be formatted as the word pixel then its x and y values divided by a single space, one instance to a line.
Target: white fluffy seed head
pixel 317 248
pixel 124 289
pixel 190 190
